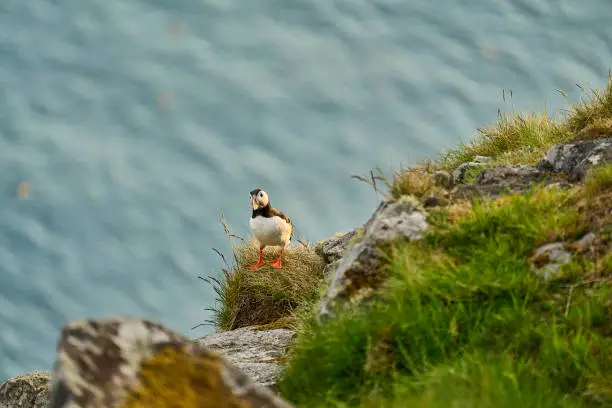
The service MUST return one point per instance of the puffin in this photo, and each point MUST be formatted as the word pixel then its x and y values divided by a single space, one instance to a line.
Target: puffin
pixel 269 226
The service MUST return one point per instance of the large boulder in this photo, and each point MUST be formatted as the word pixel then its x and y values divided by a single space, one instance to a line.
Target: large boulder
pixel 128 362
pixel 255 352
pixel 30 390
pixel 574 159
pixel 358 273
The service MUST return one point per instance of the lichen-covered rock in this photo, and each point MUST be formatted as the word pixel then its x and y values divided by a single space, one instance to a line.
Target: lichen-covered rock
pixel 548 258
pixel 503 179
pixel 458 175
pixel 255 352
pixel 443 179
pixel 29 390
pixel 358 272
pixel 574 159
pixel 333 248
pixel 129 362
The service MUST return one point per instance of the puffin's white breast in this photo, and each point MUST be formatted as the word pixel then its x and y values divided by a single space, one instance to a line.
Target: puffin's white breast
pixel 272 231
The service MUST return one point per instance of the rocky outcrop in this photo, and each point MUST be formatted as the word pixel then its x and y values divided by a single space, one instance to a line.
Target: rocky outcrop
pixel 504 179
pixel 358 273
pixel 562 164
pixel 459 174
pixel 443 179
pixel 256 352
pixel 574 159
pixel 333 249
pixel 137 363
pixel 30 390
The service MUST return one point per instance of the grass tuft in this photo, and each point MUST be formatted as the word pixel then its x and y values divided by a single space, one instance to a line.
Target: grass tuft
pixel 514 138
pixel 265 297
pixel 417 182
pixel 596 109
pixel 523 138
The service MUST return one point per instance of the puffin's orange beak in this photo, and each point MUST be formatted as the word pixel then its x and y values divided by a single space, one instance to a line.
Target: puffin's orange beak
pixel 254 203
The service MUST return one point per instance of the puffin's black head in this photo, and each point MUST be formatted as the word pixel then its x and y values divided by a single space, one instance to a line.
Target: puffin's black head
pixel 259 198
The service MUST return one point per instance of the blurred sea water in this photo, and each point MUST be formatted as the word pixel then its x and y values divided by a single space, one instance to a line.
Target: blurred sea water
pixel 134 124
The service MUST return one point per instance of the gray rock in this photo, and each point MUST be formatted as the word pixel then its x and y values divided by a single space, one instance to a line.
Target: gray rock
pixel 592 246
pixel 586 241
pixel 255 352
pixel 443 179
pixel 509 174
pixel 481 159
pixel 559 185
pixel 502 179
pixel 118 362
pixel 333 248
pixel 382 206
pixel 329 269
pixel 547 259
pixel 458 175
pixel 460 172
pixel 26 391
pixel 574 159
pixel 357 273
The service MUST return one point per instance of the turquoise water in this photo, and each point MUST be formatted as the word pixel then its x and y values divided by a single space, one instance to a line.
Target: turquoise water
pixel 136 123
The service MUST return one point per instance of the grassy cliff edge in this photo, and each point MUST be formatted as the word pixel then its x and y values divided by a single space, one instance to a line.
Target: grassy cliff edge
pixel 466 320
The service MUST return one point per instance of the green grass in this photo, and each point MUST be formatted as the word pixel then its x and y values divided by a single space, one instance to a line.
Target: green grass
pixel 522 138
pixel 483 381
pixel 600 180
pixel 519 138
pixel 466 322
pixel 513 138
pixel 594 111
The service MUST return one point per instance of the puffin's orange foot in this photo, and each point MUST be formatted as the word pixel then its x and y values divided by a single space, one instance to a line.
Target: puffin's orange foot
pixel 277 263
pixel 259 262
